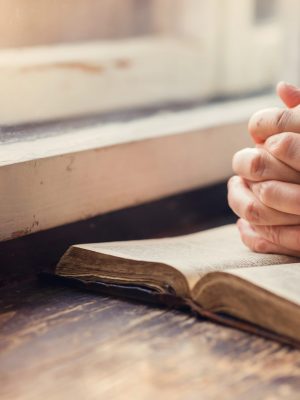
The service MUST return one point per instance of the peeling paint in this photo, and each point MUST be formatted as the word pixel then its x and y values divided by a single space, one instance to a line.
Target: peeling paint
pixel 72 65
pixel 26 231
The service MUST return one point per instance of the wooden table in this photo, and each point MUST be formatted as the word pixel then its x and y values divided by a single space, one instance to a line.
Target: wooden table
pixel 62 343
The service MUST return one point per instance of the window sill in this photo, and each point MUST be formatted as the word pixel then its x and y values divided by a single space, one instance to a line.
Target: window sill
pixel 58 179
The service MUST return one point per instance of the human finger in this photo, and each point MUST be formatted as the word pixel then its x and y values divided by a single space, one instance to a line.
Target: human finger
pixel 281 196
pixel 259 244
pixel 247 206
pixel 257 164
pixel 285 236
pixel 271 121
pixel 289 94
pixel 286 148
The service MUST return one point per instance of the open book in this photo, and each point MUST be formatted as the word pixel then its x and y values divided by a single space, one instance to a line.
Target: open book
pixel 212 272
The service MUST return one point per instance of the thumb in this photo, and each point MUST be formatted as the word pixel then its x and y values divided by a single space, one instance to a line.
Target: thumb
pixel 289 94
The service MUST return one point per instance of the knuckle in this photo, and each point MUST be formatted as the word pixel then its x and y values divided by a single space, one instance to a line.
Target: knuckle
pixel 257 119
pixel 229 193
pixel 246 241
pixel 232 196
pixel 252 212
pixel 260 246
pixel 231 201
pixel 252 124
pixel 286 146
pixel 235 161
pixel 231 184
pixel 274 235
pixel 229 189
pixel 282 119
pixel 266 191
pixel 256 122
pixel 257 165
pixel 230 181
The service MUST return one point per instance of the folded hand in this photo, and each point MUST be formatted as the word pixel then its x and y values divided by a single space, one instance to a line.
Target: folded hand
pixel 265 193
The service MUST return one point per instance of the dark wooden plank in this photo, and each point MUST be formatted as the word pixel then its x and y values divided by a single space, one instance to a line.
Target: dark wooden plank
pixel 60 343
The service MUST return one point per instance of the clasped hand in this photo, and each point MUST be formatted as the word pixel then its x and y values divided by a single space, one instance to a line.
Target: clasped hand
pixel 265 192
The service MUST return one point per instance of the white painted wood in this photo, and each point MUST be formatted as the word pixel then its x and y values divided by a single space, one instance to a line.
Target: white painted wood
pixel 41 22
pixel 290 60
pixel 251 51
pixel 241 54
pixel 161 124
pixel 200 61
pixel 196 21
pixel 55 180
pixel 61 81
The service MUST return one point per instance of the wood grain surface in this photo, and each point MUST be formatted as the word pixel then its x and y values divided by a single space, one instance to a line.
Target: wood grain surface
pixel 60 343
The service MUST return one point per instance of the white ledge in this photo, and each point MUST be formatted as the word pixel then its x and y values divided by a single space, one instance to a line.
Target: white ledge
pixel 72 176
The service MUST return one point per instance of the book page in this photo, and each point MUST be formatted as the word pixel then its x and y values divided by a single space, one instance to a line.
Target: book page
pixel 283 280
pixel 193 255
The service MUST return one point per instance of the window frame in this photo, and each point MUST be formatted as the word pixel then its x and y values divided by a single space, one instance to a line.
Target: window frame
pixel 65 177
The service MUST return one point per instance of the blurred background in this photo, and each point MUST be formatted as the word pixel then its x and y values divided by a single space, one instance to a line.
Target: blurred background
pixel 198 50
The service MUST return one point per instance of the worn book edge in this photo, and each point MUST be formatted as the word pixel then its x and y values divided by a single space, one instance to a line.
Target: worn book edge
pixel 147 295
